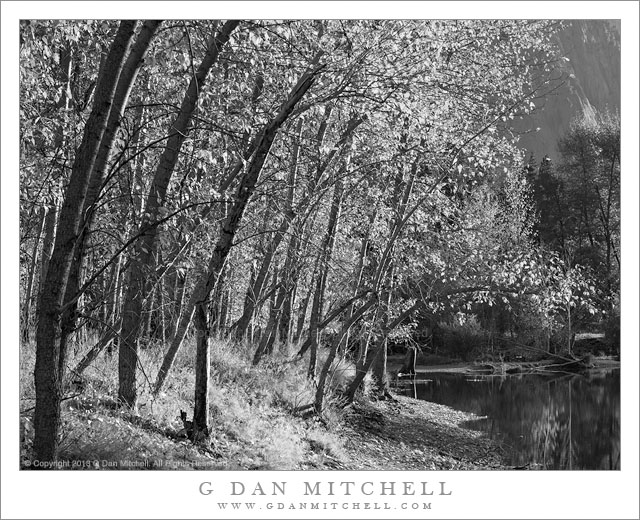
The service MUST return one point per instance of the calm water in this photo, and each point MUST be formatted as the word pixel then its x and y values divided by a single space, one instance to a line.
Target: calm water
pixel 568 422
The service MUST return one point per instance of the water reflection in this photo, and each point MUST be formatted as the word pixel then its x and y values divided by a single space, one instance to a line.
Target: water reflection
pixel 563 422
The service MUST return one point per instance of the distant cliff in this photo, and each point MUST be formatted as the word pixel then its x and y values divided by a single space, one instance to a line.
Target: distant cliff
pixel 593 79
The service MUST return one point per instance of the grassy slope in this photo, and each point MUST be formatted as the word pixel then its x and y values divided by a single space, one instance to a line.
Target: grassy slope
pixel 253 411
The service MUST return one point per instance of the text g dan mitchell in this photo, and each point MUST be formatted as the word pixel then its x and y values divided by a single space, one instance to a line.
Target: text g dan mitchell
pixel 344 488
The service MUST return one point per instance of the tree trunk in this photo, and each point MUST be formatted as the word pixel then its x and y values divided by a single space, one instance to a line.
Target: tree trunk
pixel 359 272
pixel 142 261
pixel 115 284
pixel 108 336
pixel 284 327
pixel 48 242
pixel 332 316
pixel 409 364
pixel 224 309
pixel 302 314
pixel 203 363
pixel 314 332
pixel 50 349
pixel 269 336
pixel 379 372
pixel 288 287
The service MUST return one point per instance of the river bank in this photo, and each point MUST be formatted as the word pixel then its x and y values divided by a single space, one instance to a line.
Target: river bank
pixel 257 423
pixel 409 434
pixel 543 414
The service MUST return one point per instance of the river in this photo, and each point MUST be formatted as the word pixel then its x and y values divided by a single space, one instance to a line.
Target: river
pixel 560 422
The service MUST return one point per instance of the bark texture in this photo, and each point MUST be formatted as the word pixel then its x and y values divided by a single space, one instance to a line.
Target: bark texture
pixel 50 345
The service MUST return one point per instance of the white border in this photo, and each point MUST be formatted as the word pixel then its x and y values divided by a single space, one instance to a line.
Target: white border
pixel 548 494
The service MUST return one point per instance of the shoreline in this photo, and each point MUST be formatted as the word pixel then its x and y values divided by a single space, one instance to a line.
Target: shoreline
pixel 414 435
pixel 397 434
pixel 491 367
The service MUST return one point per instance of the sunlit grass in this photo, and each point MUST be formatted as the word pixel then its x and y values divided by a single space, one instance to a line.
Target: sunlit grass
pixel 255 422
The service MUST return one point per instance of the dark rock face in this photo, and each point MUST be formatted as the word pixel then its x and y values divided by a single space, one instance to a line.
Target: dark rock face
pixel 593 80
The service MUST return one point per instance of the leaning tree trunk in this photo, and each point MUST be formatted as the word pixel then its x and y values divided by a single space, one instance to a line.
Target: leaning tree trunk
pixel 359 271
pixel 107 337
pixel 314 332
pixel 326 251
pixel 50 352
pixel 302 314
pixel 247 184
pixel 380 345
pixel 330 317
pixel 230 227
pixel 288 287
pixel 142 261
pixel 288 290
pixel 322 379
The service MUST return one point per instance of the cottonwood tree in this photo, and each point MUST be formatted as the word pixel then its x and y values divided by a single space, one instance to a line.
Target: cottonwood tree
pixel 112 90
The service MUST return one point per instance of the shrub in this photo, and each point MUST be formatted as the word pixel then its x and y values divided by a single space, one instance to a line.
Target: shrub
pixel 461 337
